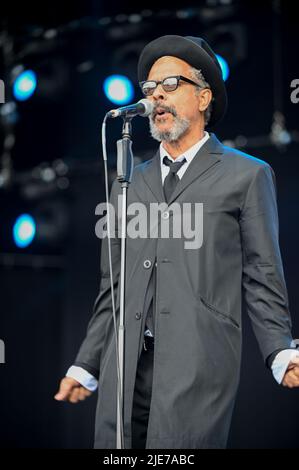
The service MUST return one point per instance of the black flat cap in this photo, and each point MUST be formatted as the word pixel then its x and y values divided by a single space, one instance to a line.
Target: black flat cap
pixel 196 52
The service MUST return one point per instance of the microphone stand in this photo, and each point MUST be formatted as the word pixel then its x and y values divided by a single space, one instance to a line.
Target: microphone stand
pixel 125 163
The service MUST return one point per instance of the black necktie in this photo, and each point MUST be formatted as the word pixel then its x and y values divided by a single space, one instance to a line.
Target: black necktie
pixel 172 178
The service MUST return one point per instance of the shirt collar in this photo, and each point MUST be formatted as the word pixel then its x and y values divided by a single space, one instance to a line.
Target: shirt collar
pixel 189 154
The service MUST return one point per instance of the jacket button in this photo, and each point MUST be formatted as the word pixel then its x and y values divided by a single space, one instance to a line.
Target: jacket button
pixel 147 263
pixel 137 315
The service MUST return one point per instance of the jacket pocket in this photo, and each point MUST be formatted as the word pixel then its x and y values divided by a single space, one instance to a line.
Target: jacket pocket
pixel 221 315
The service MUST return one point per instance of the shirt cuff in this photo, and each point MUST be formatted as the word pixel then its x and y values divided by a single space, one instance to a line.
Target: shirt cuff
pixel 281 363
pixel 83 377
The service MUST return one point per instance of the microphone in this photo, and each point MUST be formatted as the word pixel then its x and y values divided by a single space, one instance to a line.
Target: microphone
pixel 142 108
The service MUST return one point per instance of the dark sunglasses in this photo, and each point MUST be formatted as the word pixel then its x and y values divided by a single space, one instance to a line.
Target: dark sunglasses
pixel 168 84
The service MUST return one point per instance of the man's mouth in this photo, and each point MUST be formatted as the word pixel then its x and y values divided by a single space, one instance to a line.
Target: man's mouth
pixel 161 113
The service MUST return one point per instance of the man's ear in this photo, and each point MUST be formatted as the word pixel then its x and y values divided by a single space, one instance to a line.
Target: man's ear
pixel 205 98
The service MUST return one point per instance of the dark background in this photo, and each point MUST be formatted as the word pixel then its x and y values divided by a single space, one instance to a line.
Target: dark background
pixel 48 289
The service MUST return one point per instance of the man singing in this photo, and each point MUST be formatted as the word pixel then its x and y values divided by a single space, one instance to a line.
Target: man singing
pixel 183 306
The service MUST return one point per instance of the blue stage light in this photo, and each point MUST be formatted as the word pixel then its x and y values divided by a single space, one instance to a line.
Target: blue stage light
pixel 118 89
pixel 24 85
pixel 24 230
pixel 224 67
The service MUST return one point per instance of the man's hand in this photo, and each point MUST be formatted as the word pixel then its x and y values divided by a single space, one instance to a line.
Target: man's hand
pixel 72 391
pixel 291 377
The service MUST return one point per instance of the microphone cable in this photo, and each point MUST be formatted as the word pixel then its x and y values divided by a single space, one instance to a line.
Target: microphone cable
pixel 104 150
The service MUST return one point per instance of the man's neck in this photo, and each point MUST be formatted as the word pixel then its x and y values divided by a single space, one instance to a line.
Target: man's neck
pixel 177 148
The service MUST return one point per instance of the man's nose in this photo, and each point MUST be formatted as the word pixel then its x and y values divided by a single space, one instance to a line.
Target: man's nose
pixel 159 93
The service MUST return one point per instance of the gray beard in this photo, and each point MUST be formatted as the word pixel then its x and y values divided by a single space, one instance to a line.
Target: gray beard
pixel 179 128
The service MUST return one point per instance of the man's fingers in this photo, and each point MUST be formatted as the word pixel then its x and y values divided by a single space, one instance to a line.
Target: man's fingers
pixel 287 381
pixel 72 391
pixel 66 386
pixel 291 379
pixel 79 394
pixel 74 396
pixel 84 393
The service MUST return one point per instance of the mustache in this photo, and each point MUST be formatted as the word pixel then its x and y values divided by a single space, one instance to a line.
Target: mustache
pixel 166 109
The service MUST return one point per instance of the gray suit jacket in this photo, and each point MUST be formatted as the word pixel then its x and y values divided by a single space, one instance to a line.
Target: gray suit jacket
pixel 199 295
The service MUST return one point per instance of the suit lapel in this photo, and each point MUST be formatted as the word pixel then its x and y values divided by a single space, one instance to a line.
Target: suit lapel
pixel 206 157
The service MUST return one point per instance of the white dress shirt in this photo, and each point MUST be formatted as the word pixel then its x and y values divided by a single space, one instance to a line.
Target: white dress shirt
pixel 281 361
pixel 188 155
